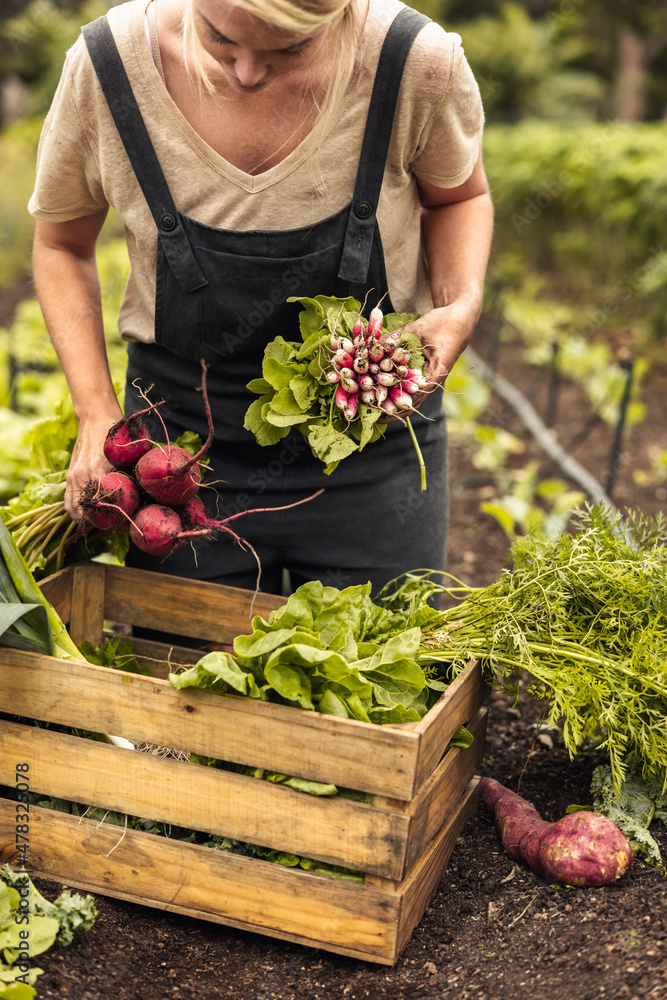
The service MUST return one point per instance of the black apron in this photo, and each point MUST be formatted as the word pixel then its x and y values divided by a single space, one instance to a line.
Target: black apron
pixel 220 296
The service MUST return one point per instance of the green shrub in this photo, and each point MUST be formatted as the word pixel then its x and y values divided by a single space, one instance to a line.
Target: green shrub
pixel 586 204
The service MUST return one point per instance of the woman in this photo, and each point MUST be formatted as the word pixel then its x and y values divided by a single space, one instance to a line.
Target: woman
pixel 256 150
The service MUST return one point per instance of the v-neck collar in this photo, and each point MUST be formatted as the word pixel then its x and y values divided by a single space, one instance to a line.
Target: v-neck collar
pixel 175 119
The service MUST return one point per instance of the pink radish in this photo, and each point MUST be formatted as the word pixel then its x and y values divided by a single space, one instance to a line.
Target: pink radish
pixel 128 439
pixel 340 399
pixel 333 377
pixel 349 384
pixel 359 330
pixel 402 399
pixel 343 359
pixel 400 356
pixel 375 322
pixel 110 502
pixel 158 530
pixel 350 410
pixel 376 351
pixel 409 386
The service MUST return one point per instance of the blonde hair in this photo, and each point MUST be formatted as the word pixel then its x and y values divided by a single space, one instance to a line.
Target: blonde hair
pixel 298 17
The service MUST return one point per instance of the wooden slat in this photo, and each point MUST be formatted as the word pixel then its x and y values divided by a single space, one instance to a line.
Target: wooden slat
pixel 418 887
pixel 457 706
pixel 57 589
pixel 243 730
pixel 332 829
pixel 183 607
pixel 88 592
pixel 246 893
pixel 440 794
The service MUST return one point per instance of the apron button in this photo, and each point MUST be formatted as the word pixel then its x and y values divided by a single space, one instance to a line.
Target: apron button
pixel 363 209
pixel 168 222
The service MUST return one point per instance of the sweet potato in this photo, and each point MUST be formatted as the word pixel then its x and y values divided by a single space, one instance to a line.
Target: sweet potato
pixel 582 849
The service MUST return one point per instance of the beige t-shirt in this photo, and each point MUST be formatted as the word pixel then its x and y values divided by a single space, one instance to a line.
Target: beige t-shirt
pixel 82 165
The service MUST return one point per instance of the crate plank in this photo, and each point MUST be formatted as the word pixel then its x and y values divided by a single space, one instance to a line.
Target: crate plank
pixel 419 885
pixel 332 829
pixel 185 607
pixel 457 706
pixel 57 589
pixel 259 734
pixel 438 795
pixel 246 893
pixel 88 599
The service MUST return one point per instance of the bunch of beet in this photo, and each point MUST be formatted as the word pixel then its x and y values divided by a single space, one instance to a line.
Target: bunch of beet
pixel 154 488
pixel 374 368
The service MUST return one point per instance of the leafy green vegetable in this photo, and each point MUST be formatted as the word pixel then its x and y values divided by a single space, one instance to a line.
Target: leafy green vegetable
pixel 586 615
pixel 294 392
pixel 30 925
pixel 638 803
pixel 328 650
pixel 38 627
pixel 72 913
pixel 114 652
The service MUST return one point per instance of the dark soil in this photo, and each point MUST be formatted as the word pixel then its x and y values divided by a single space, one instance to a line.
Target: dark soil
pixel 493 931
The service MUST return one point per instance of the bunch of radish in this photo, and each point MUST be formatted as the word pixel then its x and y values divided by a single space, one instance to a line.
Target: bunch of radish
pixel 154 489
pixel 374 368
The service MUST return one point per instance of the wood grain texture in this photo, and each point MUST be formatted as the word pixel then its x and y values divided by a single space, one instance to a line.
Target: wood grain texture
pixel 456 707
pixel 247 893
pixel 440 794
pixel 418 887
pixel 57 589
pixel 88 600
pixel 328 828
pixel 259 734
pixel 185 607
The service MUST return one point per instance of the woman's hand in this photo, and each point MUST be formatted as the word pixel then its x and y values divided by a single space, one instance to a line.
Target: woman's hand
pixel 88 461
pixel 445 332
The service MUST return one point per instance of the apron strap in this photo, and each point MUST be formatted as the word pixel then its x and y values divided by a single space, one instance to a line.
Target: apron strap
pixel 123 106
pixel 362 220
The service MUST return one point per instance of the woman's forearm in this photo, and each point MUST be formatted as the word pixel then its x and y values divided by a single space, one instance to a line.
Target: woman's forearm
pixel 66 279
pixel 68 289
pixel 457 229
pixel 457 241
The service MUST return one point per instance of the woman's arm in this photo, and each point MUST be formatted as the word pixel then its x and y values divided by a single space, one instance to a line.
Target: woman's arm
pixel 67 283
pixel 457 226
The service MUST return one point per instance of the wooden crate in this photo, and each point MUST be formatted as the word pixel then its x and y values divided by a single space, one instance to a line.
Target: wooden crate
pixel 401 841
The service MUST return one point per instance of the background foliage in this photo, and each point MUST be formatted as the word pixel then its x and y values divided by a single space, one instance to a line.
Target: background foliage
pixel 575 93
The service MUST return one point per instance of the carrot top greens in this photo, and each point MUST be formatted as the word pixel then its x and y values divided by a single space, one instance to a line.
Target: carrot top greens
pixel 586 617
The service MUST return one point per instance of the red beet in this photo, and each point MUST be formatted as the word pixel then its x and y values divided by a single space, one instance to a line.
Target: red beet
pixel 158 530
pixel 169 474
pixel 128 440
pixel 110 502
